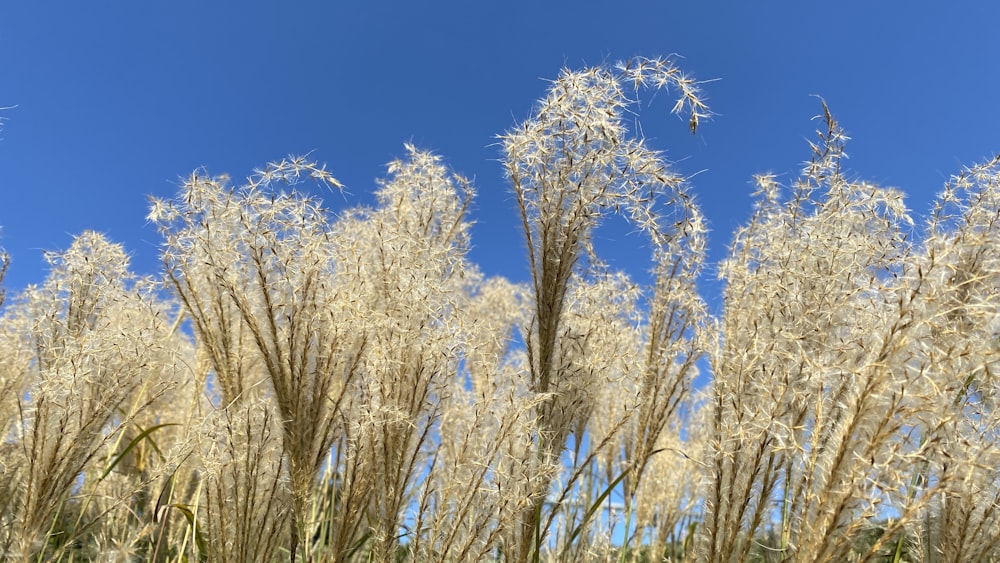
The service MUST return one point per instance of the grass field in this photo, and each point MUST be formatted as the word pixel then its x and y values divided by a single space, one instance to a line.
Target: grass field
pixel 307 385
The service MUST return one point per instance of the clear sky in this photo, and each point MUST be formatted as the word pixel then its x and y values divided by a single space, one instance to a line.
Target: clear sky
pixel 117 100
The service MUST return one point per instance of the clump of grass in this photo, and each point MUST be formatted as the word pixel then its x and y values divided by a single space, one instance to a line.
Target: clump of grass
pixel 570 164
pixel 246 496
pixel 87 342
pixel 483 473
pixel 955 277
pixel 405 262
pixel 839 347
pixel 350 387
pixel 251 269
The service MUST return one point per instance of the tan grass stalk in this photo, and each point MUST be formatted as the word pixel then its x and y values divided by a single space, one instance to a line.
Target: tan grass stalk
pixel 404 264
pixel 92 340
pixel 828 418
pixel 569 165
pixel 253 270
pixel 958 276
pixel 247 500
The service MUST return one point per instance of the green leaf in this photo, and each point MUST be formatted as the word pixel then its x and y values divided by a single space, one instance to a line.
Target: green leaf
pixel 600 500
pixel 199 540
pixel 358 545
pixel 141 436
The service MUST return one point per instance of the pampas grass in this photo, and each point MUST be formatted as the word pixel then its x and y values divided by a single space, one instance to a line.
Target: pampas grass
pixel 310 385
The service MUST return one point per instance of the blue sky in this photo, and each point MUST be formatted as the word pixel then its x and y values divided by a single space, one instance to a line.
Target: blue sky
pixel 117 100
